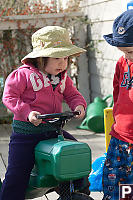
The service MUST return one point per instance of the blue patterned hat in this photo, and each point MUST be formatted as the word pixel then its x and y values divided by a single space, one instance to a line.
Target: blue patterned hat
pixel 122 35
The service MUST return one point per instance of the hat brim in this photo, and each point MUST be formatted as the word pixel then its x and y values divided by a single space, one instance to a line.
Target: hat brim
pixel 109 38
pixel 56 52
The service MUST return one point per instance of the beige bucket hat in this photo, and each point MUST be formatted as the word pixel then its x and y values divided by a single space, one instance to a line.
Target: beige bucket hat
pixel 52 41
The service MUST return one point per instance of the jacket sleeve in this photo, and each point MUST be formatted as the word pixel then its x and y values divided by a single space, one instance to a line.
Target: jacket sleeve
pixel 72 96
pixel 116 85
pixel 14 87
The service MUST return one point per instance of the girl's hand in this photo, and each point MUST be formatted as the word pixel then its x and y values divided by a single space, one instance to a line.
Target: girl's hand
pixel 82 110
pixel 32 118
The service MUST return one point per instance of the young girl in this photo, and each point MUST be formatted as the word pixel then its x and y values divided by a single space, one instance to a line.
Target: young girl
pixel 37 87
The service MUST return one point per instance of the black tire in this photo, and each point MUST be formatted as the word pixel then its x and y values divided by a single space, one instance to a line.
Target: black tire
pixel 80 196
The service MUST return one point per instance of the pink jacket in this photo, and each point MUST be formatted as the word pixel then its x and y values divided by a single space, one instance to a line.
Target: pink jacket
pixel 27 89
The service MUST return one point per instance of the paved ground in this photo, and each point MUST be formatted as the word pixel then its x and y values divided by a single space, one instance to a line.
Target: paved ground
pixel 95 141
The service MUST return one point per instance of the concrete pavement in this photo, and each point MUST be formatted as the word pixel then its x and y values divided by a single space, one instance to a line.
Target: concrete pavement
pixel 95 141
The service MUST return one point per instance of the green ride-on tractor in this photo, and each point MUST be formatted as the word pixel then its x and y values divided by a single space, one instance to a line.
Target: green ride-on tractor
pixel 59 162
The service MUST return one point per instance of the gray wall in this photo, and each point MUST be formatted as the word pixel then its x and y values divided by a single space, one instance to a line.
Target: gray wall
pixel 101 56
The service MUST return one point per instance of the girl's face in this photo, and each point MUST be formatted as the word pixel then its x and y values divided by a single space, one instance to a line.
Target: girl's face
pixel 128 51
pixel 55 66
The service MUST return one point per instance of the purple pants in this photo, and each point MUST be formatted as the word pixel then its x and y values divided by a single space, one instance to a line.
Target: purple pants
pixel 20 163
